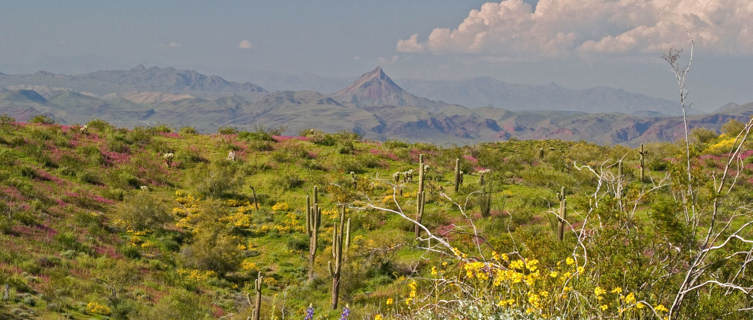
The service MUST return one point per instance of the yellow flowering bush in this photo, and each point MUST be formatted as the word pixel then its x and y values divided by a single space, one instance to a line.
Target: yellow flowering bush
pixel 280 206
pixel 96 308
pixel 724 144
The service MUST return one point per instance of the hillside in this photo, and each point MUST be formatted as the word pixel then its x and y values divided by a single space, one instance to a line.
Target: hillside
pixel 101 223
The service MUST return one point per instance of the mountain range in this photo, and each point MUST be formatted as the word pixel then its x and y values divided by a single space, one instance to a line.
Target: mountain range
pixel 374 106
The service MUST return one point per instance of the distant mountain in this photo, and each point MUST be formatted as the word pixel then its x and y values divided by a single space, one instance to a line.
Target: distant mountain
pixel 373 106
pixel 140 78
pixel 733 108
pixel 479 92
pixel 376 88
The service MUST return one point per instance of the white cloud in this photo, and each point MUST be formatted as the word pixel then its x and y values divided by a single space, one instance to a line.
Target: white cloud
pixel 174 44
pixel 564 27
pixel 245 44
pixel 410 45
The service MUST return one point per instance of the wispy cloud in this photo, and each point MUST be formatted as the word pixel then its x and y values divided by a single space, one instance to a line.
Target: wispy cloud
pixel 565 27
pixel 388 60
pixel 174 44
pixel 245 44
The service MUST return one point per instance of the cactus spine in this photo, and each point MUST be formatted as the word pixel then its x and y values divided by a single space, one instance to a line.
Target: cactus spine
pixel 563 212
pixel 458 175
pixel 339 233
pixel 420 195
pixel 313 220
pixel 257 303
pixel 643 155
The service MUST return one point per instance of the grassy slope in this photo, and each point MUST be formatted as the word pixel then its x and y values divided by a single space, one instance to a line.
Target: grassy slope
pixel 67 249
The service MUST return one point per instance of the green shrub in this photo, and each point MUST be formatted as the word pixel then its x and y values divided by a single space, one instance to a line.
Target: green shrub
pixel 227 130
pixel 143 211
pixel 217 180
pixel 188 131
pixel 90 177
pixel 98 124
pixel 6 120
pixel 42 119
pixel 212 249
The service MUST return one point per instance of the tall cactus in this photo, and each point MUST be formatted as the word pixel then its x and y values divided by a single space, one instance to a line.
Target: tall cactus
pixel 458 175
pixel 256 203
pixel 339 233
pixel 486 194
pixel 563 212
pixel 257 303
pixel 643 155
pixel 420 195
pixel 313 220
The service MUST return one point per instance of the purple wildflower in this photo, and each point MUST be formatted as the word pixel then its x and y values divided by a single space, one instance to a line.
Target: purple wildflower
pixel 345 314
pixel 309 313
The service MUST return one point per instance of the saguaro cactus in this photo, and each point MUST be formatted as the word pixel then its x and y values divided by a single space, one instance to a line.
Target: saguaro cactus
pixel 257 303
pixel 339 233
pixel 256 203
pixel 643 155
pixel 563 212
pixel 313 220
pixel 458 175
pixel 420 195
pixel 486 194
pixel 354 179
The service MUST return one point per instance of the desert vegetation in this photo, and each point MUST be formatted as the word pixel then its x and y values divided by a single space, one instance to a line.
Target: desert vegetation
pixel 157 223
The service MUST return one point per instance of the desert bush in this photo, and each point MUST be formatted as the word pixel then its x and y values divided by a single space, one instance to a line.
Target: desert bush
pixel 212 249
pixel 143 211
pixel 227 130
pixel 98 124
pixel 188 131
pixel 42 119
pixel 216 180
pixel 178 304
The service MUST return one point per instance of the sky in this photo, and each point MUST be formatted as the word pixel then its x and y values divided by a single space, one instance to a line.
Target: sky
pixel 575 43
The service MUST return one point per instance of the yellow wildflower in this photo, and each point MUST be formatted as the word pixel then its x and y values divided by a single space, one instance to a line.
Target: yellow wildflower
pixel 389 301
pixel 96 308
pixel 661 308
pixel 280 206
pixel 569 261
pixel 604 307
pixel 630 298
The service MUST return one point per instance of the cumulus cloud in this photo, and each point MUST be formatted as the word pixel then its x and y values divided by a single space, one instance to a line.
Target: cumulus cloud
pixel 562 27
pixel 410 45
pixel 245 44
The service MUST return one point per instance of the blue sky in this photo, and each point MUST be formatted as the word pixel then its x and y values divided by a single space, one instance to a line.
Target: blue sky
pixel 346 38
